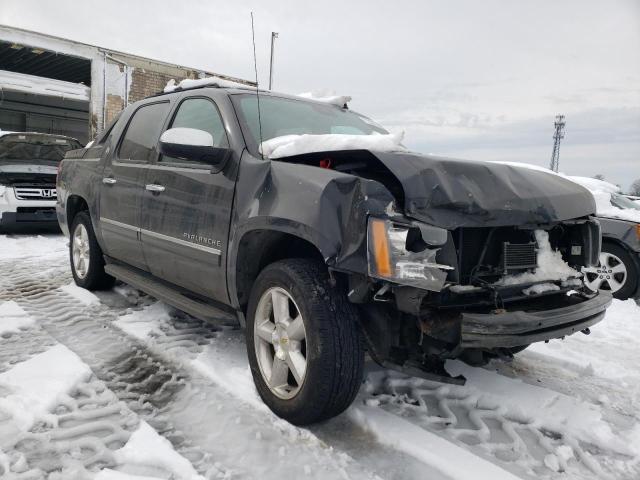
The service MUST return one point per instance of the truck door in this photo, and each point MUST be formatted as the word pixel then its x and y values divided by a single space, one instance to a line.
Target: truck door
pixel 123 184
pixel 187 209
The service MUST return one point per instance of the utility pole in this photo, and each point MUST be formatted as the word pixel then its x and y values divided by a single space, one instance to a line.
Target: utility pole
pixel 274 35
pixel 557 136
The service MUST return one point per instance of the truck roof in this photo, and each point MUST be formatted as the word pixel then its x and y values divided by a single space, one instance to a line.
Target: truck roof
pixel 8 135
pixel 222 84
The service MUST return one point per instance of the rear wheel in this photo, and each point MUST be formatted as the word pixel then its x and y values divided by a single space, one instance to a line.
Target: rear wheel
pixel 617 272
pixel 303 342
pixel 85 255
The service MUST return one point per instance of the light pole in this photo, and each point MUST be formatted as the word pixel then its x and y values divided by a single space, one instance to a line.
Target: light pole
pixel 274 35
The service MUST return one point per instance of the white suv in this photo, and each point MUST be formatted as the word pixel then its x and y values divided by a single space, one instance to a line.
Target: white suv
pixel 28 167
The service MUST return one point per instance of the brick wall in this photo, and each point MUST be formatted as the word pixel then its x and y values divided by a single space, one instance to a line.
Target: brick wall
pixel 115 103
pixel 145 82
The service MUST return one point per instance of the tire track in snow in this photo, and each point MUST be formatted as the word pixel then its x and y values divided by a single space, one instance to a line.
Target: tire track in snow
pixel 179 336
pixel 513 438
pixel 88 425
pixel 151 380
pixel 202 421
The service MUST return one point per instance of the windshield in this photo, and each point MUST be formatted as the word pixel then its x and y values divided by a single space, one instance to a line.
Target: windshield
pixel 621 201
pixel 284 116
pixel 27 148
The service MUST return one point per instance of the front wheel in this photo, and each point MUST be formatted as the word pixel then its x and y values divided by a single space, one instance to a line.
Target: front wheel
pixel 85 255
pixel 303 342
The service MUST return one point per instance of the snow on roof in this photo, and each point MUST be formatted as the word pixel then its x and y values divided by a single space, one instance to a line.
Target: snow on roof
pixel 595 185
pixel 602 193
pixel 290 145
pixel 327 97
pixel 21 82
pixel 202 82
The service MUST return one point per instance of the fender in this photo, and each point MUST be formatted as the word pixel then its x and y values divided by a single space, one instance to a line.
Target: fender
pixel 328 209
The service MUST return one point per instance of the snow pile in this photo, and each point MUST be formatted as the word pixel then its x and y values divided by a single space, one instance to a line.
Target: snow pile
pixel 551 266
pixel 13 318
pixel 290 145
pixel 202 82
pixel 147 447
pixel 327 97
pixel 540 288
pixel 34 385
pixel 602 192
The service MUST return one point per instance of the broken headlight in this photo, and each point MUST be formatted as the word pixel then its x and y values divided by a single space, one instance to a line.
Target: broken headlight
pixel 400 254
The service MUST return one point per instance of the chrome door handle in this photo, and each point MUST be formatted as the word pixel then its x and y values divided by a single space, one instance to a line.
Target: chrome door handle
pixel 109 180
pixel 152 187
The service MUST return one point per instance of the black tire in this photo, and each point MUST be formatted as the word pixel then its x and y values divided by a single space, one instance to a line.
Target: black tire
pixel 631 284
pixel 96 278
pixel 334 350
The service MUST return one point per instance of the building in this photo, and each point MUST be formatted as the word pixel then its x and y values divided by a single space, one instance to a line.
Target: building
pixel 54 85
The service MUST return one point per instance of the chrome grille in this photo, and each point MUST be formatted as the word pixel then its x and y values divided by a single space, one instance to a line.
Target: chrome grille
pixel 35 192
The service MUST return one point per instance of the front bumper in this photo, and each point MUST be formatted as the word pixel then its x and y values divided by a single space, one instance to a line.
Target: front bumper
pixel 516 328
pixel 16 213
pixel 29 216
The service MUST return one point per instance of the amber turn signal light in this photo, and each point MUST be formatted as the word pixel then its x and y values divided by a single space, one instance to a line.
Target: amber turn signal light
pixel 381 247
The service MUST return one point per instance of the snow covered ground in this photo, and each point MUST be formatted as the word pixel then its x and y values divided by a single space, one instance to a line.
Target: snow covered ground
pixel 119 386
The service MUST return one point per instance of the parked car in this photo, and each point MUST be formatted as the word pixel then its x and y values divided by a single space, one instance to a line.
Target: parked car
pixel 312 227
pixel 28 166
pixel 619 216
pixel 634 199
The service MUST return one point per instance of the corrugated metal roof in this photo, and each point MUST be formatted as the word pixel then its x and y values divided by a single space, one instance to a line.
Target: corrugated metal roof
pixel 44 63
pixel 44 39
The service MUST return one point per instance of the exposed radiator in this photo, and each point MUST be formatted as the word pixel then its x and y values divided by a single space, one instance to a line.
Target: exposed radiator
pixel 518 256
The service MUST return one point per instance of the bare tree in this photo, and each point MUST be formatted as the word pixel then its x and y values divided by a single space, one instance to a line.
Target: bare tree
pixel 599 176
pixel 635 188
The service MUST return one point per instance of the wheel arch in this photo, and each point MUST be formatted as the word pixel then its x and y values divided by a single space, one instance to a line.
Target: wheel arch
pixel 255 248
pixel 75 205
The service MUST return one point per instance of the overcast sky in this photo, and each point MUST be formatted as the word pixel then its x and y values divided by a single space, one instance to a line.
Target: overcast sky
pixel 467 78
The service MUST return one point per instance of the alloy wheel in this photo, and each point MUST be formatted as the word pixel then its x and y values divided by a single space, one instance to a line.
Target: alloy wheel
pixel 280 343
pixel 610 275
pixel 80 251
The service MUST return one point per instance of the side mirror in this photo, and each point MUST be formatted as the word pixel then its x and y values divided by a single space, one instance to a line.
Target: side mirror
pixel 194 145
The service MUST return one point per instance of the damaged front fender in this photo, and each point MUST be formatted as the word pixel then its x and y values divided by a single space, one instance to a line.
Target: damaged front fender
pixel 324 207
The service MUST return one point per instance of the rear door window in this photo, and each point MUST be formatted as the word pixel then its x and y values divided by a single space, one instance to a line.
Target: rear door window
pixel 140 141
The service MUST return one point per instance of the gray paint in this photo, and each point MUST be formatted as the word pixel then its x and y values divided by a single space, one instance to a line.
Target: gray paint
pixel 327 208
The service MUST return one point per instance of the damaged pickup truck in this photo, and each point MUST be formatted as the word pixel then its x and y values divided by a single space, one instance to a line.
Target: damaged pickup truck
pixel 312 227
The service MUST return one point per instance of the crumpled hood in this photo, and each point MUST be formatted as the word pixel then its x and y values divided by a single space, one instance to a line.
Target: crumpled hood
pixel 453 193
